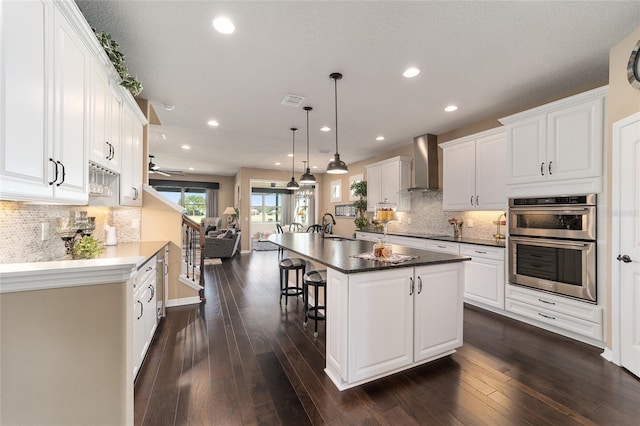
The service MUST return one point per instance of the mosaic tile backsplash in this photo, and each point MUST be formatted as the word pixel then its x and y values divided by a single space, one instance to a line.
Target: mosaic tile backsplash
pixel 21 229
pixel 427 217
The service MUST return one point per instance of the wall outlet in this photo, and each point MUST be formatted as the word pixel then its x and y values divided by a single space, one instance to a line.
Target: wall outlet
pixel 44 231
pixel 400 220
pixel 470 223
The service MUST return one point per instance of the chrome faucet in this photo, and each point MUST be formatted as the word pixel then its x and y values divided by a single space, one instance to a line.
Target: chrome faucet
pixel 322 226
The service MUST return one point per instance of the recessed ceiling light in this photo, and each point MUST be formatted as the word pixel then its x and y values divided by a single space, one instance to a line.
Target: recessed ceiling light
pixel 451 108
pixel 167 106
pixel 278 163
pixel 411 72
pixel 289 155
pixel 380 138
pixel 325 129
pixel 185 147
pixel 213 123
pixel 314 167
pixel 164 137
pixel 223 25
pixel 190 168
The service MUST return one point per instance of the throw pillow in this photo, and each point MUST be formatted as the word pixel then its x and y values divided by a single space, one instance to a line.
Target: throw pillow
pixel 227 234
pixel 210 228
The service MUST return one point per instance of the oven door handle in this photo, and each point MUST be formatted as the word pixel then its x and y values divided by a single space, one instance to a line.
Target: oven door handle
pixel 549 243
pixel 538 209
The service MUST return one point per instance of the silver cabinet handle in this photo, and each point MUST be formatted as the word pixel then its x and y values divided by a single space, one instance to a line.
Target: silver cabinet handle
pixel 471 200
pixel 64 174
pixel 547 302
pixel 55 177
pixel 477 200
pixel 419 284
pixel 550 163
pixel 411 286
pixel 542 168
pixel 153 293
pixel 480 252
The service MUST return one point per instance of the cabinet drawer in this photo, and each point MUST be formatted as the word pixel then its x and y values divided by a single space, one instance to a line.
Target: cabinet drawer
pixel 408 242
pixel 367 236
pixel 485 252
pixel 556 304
pixel 442 246
pixel 566 322
pixel 147 270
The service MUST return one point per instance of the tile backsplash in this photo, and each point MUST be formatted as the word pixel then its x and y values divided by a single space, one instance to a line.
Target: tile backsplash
pixel 427 217
pixel 21 229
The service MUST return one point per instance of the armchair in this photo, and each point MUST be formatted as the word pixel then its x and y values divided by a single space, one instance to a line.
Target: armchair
pixel 211 226
pixel 221 246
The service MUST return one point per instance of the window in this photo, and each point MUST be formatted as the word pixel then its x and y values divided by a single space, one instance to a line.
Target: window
pixel 266 207
pixel 194 200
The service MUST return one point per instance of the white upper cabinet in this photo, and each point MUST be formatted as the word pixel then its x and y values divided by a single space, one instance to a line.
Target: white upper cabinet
pixel 131 176
pixel 559 144
pixel 105 119
pixel 386 179
pixel 44 89
pixel 474 172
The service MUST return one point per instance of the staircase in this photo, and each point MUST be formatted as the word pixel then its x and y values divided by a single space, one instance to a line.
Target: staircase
pixel 192 261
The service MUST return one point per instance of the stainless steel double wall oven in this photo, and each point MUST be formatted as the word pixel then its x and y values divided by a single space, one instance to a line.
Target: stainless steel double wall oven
pixel 552 244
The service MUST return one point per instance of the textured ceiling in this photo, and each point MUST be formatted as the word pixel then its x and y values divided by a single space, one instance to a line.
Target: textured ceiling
pixel 489 58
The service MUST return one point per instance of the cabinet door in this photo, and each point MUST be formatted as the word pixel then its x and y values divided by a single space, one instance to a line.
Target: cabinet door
pixel 138 329
pixel 374 187
pixel 71 62
pixel 99 150
pixel 380 323
pixel 458 186
pixel 150 312
pixel 575 141
pixel 25 93
pixel 491 172
pixel 131 176
pixel 526 150
pixel 115 128
pixel 438 320
pixel 484 282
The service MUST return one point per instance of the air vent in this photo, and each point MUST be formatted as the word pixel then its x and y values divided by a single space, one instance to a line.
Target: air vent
pixel 292 100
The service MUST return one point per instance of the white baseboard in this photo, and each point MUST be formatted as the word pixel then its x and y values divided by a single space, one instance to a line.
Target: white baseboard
pixel 184 301
pixel 608 355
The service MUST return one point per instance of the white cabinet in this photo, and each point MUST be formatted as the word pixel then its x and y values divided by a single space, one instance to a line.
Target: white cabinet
pixel 131 176
pixel 474 172
pixel 418 243
pixel 144 311
pixel 561 142
pixel 106 108
pixel 438 313
pixel 43 152
pixel 380 323
pixel 559 314
pixel 368 236
pixel 386 180
pixel 484 275
pixel 386 321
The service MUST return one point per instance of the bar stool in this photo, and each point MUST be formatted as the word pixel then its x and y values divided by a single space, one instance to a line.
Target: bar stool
pixel 295 264
pixel 317 279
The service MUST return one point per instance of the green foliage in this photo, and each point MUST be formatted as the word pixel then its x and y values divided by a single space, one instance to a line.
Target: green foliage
pixel 112 49
pixel 361 223
pixel 360 205
pixel 359 188
pixel 87 248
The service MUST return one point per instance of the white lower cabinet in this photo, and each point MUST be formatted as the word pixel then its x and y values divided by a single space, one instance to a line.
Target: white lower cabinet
pixel 484 275
pixel 562 314
pixel 443 247
pixel 382 322
pixel 144 311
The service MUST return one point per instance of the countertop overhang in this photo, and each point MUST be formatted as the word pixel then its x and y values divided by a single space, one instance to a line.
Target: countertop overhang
pixel 116 264
pixel 338 254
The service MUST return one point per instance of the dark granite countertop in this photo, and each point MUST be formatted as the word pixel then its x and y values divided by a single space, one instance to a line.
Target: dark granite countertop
pixel 491 243
pixel 336 253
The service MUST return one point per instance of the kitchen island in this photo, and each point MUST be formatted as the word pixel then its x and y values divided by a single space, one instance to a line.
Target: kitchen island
pixel 383 317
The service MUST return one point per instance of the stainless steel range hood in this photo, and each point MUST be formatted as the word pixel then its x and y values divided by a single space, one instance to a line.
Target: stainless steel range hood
pixel 425 163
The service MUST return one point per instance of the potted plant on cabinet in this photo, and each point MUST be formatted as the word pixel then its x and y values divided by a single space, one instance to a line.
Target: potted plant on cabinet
pixel 359 189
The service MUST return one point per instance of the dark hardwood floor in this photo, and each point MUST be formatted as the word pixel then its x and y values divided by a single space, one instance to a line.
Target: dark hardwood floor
pixel 242 358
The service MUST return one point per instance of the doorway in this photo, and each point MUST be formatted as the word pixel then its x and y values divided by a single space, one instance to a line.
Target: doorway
pixel 626 243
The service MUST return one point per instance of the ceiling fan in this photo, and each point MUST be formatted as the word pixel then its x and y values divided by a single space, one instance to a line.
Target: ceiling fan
pixel 153 168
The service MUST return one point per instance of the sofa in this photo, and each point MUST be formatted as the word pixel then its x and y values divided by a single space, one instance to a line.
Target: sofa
pixel 222 245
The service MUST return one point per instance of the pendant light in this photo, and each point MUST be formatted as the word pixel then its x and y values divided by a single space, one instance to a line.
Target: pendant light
pixel 307 178
pixel 293 185
pixel 336 166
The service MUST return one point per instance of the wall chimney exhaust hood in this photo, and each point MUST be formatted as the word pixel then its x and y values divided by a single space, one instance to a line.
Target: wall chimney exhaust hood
pixel 425 163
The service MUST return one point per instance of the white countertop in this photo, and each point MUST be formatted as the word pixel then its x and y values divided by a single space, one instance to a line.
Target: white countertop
pixel 117 264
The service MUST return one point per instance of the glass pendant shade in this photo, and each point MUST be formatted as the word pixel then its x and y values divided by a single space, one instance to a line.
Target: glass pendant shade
pixel 336 166
pixel 307 178
pixel 293 184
